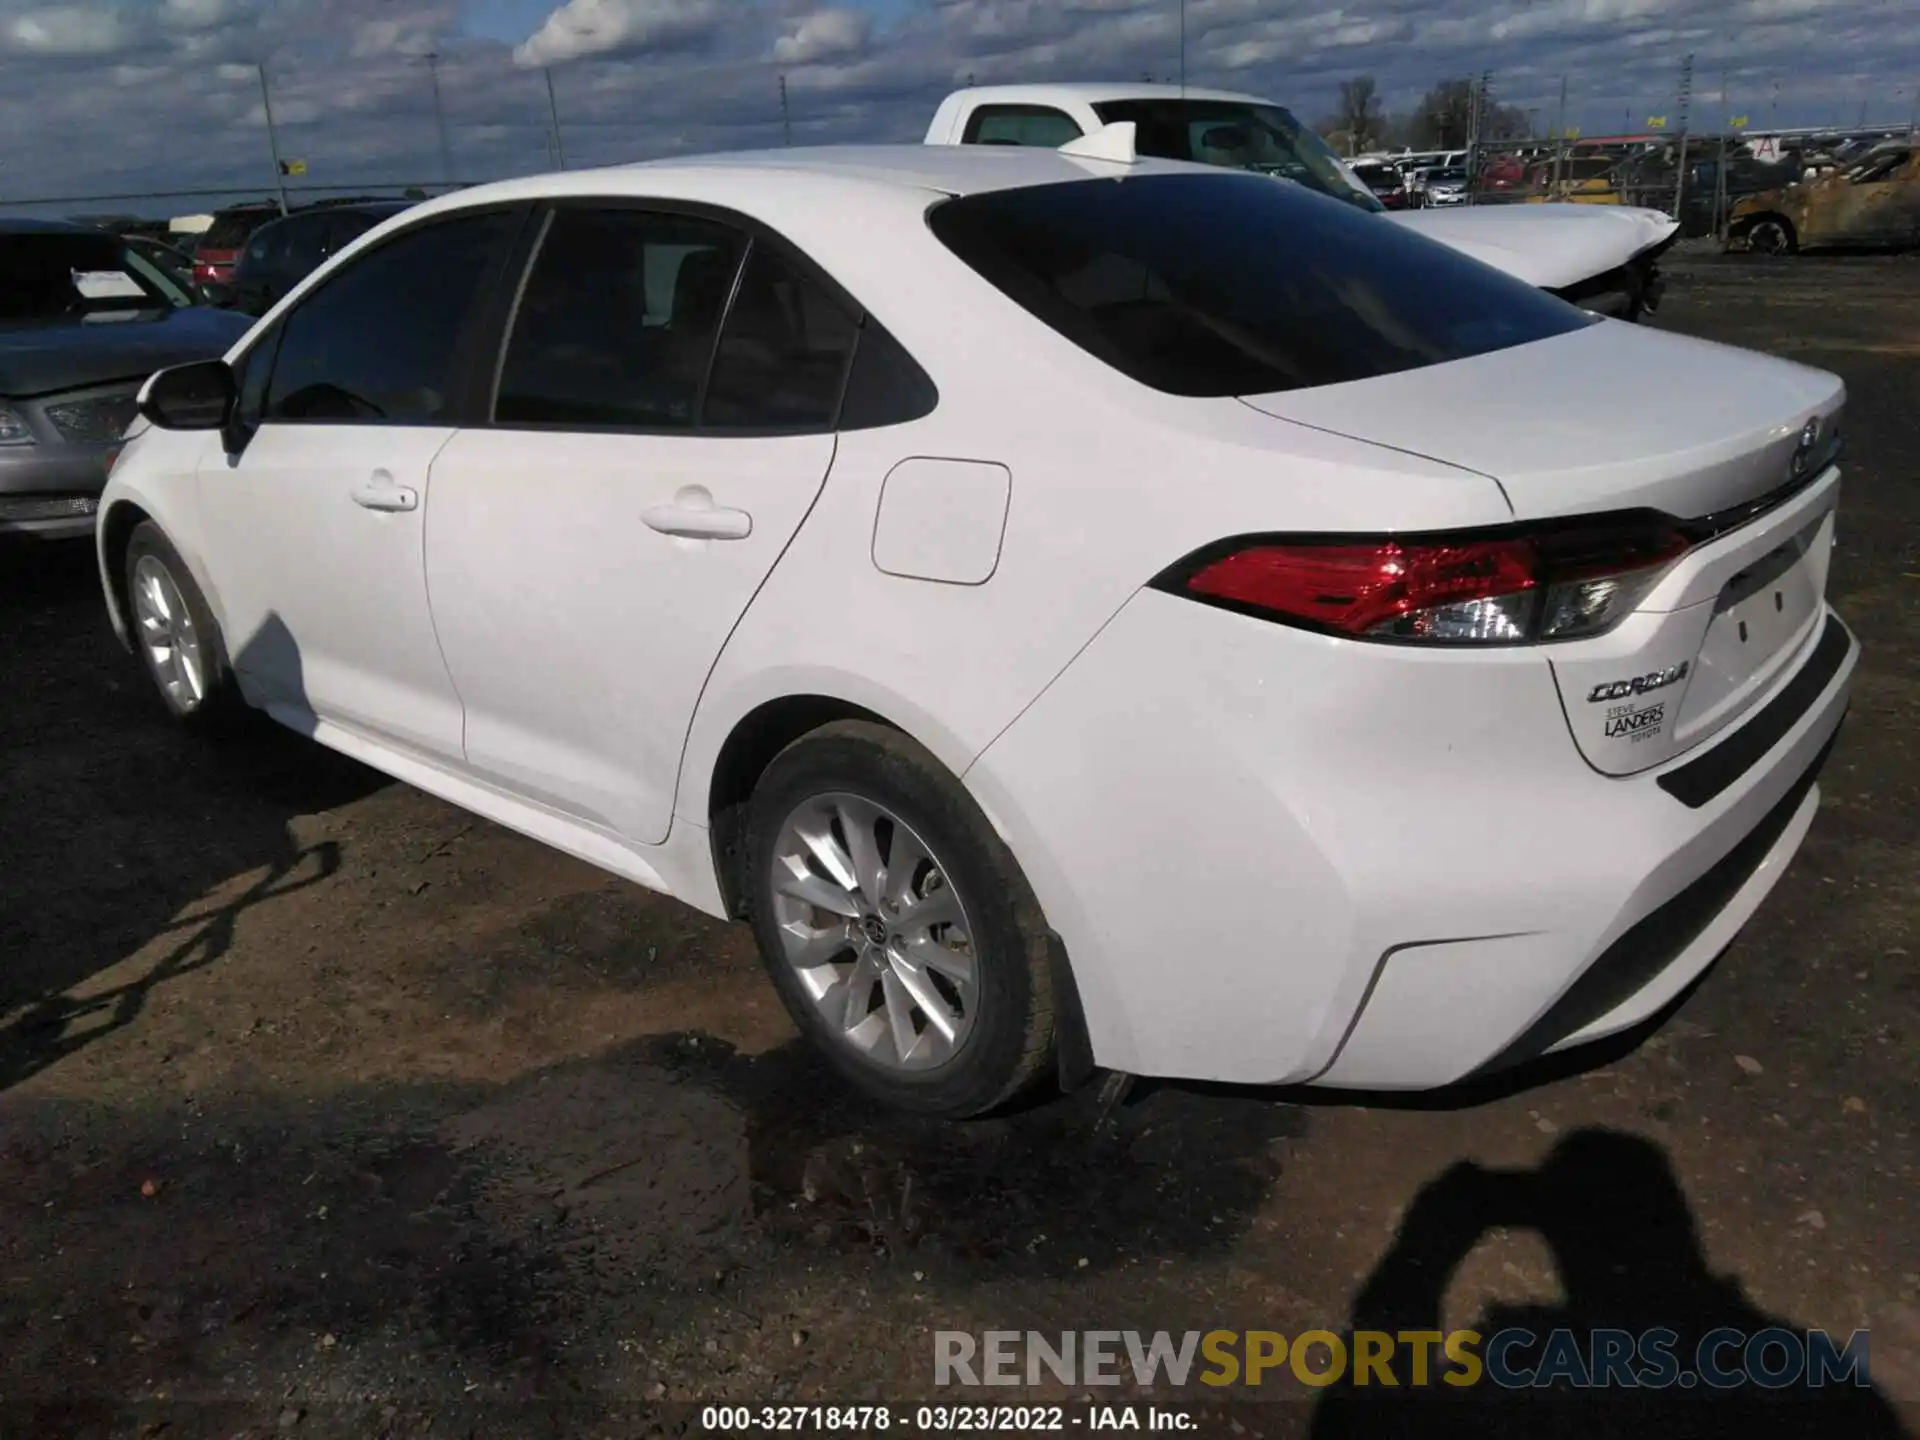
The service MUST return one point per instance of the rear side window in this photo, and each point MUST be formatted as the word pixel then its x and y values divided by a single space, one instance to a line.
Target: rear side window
pixel 303 245
pixel 261 249
pixel 616 325
pixel 783 356
pixel 1229 284
pixel 1040 125
pixel 379 342
pixel 230 228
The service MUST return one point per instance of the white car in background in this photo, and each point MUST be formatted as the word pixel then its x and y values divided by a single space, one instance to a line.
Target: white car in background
pixel 1443 188
pixel 1069 629
pixel 1603 258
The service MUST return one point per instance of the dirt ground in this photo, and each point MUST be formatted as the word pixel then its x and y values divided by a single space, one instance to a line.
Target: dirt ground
pixel 328 1109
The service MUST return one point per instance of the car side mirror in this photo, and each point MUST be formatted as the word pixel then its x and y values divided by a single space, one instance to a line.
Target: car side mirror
pixel 219 293
pixel 200 396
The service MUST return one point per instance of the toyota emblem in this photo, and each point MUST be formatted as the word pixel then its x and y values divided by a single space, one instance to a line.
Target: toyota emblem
pixel 1803 451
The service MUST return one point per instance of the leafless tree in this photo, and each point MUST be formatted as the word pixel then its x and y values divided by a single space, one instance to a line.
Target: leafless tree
pixel 1360 114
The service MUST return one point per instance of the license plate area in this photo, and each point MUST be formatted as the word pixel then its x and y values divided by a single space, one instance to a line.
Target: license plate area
pixel 1762 617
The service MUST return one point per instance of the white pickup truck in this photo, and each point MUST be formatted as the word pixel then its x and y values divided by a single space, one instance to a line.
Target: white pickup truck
pixel 1601 257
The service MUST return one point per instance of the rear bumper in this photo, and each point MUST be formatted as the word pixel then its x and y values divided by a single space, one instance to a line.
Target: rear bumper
pixel 1276 857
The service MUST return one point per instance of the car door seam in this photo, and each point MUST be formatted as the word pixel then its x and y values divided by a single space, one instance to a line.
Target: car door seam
pixel 426 581
pixel 693 712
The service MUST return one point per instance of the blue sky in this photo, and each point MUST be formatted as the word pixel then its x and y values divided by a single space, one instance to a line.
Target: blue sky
pixel 117 96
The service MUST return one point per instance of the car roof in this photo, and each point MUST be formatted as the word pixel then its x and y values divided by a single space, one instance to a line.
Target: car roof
pixel 819 173
pixel 1095 93
pixel 381 208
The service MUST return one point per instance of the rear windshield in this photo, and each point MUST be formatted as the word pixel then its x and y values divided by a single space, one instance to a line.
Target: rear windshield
pixel 231 228
pixel 1203 284
pixel 1241 135
pixel 49 274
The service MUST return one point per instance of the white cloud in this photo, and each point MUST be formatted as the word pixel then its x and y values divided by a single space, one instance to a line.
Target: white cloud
pixel 286 112
pixel 823 35
pixel 602 27
pixel 70 30
pixel 194 14
pixel 409 36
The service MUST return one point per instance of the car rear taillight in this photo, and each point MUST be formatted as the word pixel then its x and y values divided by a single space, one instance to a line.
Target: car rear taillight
pixel 1485 589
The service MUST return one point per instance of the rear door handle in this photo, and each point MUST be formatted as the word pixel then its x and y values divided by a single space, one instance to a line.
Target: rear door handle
pixel 693 516
pixel 380 493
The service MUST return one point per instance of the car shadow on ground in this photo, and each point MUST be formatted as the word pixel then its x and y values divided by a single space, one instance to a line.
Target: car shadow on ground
pixel 120 823
pixel 1623 1237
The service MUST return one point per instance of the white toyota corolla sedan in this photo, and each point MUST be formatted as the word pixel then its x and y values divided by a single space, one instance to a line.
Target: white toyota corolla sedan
pixel 1080 611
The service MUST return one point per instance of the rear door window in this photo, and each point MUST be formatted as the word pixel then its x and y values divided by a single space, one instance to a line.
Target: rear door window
pixel 1223 284
pixel 783 356
pixel 616 326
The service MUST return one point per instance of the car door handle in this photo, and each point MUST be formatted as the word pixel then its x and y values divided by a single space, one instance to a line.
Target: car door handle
pixel 383 494
pixel 693 516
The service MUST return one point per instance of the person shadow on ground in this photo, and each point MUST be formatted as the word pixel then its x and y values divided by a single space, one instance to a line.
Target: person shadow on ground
pixel 1612 1212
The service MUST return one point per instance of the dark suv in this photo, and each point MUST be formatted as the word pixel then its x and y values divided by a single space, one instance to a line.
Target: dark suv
pixel 281 254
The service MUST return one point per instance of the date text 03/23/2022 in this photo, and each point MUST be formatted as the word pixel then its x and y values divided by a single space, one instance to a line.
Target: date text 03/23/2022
pixel 939 1419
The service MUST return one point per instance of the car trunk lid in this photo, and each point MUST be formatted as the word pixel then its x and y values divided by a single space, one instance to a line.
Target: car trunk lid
pixel 1612 418
pixel 1608 417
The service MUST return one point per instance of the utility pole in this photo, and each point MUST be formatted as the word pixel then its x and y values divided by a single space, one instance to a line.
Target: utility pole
pixel 1559 140
pixel 1479 109
pixel 1686 103
pixel 273 139
pixel 786 114
pixel 440 117
pixel 553 115
pixel 1183 49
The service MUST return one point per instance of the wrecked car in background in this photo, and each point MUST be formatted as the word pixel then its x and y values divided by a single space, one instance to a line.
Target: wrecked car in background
pixel 1874 202
pixel 1602 260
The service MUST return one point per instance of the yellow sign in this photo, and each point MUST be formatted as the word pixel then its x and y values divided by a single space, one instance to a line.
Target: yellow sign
pixel 1572 132
pixel 293 167
pixel 1739 122
pixel 1656 122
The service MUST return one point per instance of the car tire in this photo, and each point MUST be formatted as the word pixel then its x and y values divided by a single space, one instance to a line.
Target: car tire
pixel 1772 236
pixel 176 636
pixel 939 1004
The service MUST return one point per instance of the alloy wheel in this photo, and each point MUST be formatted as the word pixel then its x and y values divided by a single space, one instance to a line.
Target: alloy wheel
pixel 168 635
pixel 878 937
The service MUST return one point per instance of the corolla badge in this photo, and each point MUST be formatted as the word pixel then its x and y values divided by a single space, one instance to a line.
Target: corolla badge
pixel 1639 684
